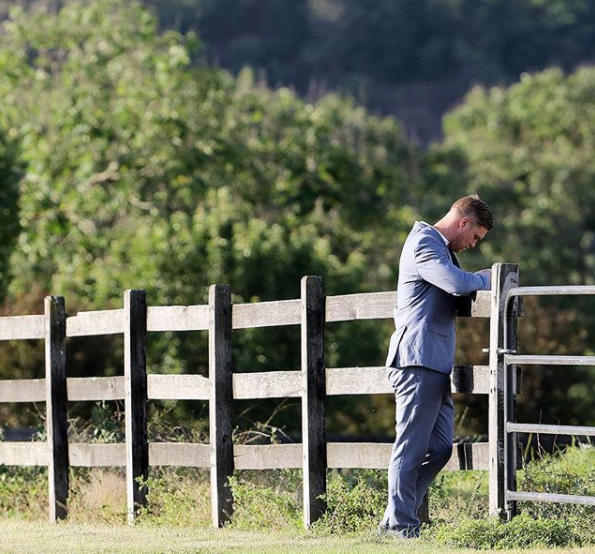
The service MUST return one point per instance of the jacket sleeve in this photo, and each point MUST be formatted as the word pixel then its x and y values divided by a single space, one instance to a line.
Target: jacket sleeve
pixel 435 266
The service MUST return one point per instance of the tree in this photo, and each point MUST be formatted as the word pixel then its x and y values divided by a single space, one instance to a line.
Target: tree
pixel 529 151
pixel 530 154
pixel 10 173
pixel 143 172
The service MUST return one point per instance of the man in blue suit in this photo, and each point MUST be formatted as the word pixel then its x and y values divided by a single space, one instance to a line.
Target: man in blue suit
pixel 421 354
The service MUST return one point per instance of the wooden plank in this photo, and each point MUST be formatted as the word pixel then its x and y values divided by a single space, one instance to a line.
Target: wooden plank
pixel 22 327
pixel 270 456
pixel 178 318
pixel 24 454
pixel 22 390
pixel 376 456
pixel 380 305
pixel 469 456
pixel 98 455
pixel 220 403
pixel 357 380
pixel 135 374
pixel 358 455
pixel 95 388
pixel 56 406
pixel 272 384
pixel 482 307
pixel 313 399
pixel 178 387
pixel 504 278
pixel 88 324
pixel 259 457
pixel 471 379
pixel 266 314
pixel 373 380
pixel 179 454
pixel 351 307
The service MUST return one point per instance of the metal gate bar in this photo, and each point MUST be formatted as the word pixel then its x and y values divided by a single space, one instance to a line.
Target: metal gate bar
pixel 511 359
pixel 565 290
pixel 550 497
pixel 550 429
pixel 516 359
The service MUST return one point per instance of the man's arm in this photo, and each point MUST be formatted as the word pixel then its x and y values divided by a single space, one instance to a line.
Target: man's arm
pixel 435 266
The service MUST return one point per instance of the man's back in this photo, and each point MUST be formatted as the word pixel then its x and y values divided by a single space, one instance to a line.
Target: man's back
pixel 429 277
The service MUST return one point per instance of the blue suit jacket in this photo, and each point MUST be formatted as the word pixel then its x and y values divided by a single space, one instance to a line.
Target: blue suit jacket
pixel 429 281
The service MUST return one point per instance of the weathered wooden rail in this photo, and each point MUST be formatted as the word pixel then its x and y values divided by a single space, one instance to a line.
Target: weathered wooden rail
pixel 312 383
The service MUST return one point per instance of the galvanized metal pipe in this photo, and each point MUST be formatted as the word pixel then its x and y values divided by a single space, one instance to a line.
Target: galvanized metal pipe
pixel 522 359
pixel 549 497
pixel 543 429
pixel 551 291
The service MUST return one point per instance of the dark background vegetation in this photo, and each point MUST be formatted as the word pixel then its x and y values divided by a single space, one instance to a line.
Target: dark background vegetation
pixel 172 145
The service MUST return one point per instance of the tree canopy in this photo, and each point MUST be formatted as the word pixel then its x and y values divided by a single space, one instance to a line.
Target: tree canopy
pixel 530 153
pixel 144 172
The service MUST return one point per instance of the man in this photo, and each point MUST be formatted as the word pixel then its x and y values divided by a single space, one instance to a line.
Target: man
pixel 421 354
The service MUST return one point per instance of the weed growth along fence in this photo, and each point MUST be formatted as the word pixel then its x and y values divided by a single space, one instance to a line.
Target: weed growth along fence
pixel 313 383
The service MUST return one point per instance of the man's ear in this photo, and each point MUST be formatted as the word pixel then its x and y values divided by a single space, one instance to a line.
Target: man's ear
pixel 464 222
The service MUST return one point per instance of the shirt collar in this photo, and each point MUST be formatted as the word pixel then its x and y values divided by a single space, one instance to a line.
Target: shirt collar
pixel 446 241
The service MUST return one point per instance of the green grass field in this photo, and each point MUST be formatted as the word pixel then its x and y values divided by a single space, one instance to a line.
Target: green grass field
pixel 21 537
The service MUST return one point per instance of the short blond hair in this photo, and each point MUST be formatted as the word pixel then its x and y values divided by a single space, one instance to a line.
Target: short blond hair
pixel 475 208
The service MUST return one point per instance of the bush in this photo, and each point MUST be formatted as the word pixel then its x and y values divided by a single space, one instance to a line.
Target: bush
pixel 274 504
pixel 521 532
pixel 23 492
pixel 178 497
pixel 355 502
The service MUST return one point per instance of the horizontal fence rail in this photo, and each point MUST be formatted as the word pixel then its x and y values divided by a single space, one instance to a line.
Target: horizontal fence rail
pixel 24 327
pixel 246 386
pixel 341 455
pixel 311 384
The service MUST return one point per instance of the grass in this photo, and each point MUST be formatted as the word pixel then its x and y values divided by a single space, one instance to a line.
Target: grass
pixel 22 537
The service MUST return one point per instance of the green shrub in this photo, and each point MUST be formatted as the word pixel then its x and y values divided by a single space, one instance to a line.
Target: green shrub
pixel 355 502
pixel 276 504
pixel 23 492
pixel 521 532
pixel 178 497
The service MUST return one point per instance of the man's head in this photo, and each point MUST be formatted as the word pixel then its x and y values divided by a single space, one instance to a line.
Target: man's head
pixel 467 222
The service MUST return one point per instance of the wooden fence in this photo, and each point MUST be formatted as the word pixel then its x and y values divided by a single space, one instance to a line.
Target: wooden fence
pixel 313 383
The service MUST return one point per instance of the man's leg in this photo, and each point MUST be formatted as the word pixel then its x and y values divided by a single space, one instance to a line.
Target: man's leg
pixel 419 396
pixel 440 449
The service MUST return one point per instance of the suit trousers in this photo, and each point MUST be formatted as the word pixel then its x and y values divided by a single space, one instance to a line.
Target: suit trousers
pixel 423 445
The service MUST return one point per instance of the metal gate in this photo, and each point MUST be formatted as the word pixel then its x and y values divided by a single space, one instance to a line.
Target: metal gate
pixel 510 360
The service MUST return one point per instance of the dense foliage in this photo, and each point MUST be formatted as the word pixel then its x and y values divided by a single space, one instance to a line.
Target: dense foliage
pixel 529 151
pixel 142 172
pixel 10 173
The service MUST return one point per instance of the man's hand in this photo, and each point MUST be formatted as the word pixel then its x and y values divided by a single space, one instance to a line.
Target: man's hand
pixel 487 273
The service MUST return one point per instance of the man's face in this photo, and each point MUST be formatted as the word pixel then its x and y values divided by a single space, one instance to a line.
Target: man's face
pixel 469 234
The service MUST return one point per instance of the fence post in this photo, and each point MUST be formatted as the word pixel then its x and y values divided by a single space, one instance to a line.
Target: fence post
pixel 135 377
pixel 56 406
pixel 313 398
pixel 504 278
pixel 220 403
